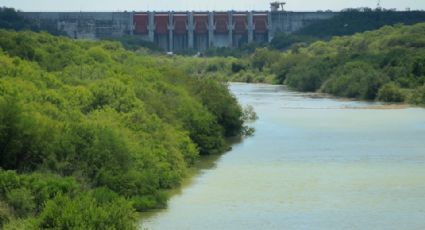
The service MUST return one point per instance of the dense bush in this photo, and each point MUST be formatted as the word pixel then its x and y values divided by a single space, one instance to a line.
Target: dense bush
pixel 351 21
pixel 284 41
pixel 21 200
pixel 237 67
pixel 135 43
pixel 5 213
pixel 391 92
pixel 386 64
pixel 418 96
pixel 11 19
pixel 356 80
pixel 99 116
pixel 85 212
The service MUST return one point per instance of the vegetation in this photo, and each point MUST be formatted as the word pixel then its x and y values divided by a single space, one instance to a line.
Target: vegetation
pixel 102 132
pixel 225 68
pixel 99 131
pixel 386 65
pixel 284 41
pixel 135 43
pixel 346 22
pixel 11 19
pixel 351 21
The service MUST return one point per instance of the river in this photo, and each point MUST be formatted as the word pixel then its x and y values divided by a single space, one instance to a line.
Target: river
pixel 314 162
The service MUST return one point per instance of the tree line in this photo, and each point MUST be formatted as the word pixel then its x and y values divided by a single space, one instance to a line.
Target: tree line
pixel 387 64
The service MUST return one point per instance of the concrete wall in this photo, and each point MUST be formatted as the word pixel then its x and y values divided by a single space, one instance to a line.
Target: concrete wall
pixel 180 42
pixel 98 25
pixel 201 42
pixel 290 22
pixel 90 25
pixel 162 41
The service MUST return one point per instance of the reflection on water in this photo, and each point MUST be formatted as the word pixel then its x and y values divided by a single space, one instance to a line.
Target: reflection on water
pixel 315 162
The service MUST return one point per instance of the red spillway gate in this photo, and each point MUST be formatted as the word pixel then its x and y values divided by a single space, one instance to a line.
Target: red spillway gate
pixel 180 21
pixel 220 21
pixel 140 23
pixel 260 22
pixel 161 24
pixel 201 23
pixel 240 21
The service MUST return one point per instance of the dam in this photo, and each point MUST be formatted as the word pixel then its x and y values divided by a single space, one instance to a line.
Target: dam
pixel 176 31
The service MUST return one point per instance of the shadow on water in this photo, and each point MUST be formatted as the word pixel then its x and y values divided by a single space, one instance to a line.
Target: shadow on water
pixel 203 164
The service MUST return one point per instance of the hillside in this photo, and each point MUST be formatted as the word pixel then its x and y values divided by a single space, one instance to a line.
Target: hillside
pixel 97 131
pixel 387 64
pixel 351 21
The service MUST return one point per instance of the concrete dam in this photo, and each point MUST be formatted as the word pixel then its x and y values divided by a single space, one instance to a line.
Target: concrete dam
pixel 175 31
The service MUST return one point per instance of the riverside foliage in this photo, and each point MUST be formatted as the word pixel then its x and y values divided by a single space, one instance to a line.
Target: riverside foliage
pixel 91 132
pixel 386 65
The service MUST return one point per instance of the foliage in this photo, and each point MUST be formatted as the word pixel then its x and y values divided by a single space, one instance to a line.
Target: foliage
pixel 11 19
pixel 355 80
pixel 418 96
pixel 238 66
pixel 98 130
pixel 284 41
pixel 135 43
pixel 249 114
pixel 351 21
pixel 262 58
pixel 85 212
pixel 386 64
pixel 391 92
pixel 21 200
pixel 5 213
pixel 243 51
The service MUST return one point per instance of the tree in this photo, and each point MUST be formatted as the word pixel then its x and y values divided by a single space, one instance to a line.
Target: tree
pixel 390 92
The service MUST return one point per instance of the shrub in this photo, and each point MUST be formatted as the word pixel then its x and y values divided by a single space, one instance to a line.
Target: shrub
pixel 84 212
pixel 5 214
pixel 22 201
pixel 99 117
pixel 391 92
pixel 355 80
pixel 418 96
pixel 237 67
pixel 144 203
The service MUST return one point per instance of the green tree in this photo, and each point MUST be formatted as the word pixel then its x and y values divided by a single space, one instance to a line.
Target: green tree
pixel 391 92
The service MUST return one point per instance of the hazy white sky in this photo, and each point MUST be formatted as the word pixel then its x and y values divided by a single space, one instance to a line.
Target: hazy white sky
pixel 178 5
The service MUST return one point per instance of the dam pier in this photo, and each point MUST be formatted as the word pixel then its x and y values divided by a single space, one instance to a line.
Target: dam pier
pixel 176 31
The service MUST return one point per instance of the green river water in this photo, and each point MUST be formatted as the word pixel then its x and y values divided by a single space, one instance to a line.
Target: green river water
pixel 314 163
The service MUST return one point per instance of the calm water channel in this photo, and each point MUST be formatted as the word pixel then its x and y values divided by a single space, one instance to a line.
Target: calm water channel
pixel 313 163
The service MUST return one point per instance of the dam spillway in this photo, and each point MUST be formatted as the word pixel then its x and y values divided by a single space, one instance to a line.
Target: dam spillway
pixel 176 31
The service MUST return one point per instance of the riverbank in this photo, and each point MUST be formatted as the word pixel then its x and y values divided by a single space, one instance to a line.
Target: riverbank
pixel 329 168
pixel 377 104
pixel 382 65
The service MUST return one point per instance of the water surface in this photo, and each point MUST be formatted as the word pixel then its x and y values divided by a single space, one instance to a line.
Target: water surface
pixel 314 163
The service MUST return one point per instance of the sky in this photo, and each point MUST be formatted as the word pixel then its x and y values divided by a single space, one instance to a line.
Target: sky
pixel 183 5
